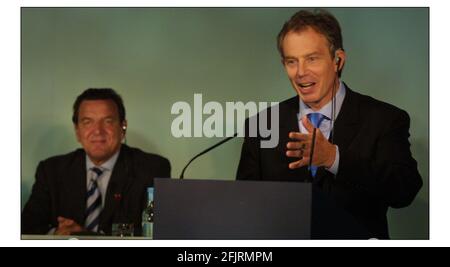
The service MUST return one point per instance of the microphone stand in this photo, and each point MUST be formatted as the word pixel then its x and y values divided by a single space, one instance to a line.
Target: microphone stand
pixel 206 151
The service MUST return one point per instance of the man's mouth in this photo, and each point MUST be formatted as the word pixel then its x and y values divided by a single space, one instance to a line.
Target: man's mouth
pixel 306 85
pixel 98 141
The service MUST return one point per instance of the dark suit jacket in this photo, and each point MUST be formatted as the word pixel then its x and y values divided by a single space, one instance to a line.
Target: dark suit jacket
pixel 376 169
pixel 60 190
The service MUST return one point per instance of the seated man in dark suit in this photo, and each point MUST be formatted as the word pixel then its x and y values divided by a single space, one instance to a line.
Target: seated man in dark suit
pixel 89 189
pixel 361 153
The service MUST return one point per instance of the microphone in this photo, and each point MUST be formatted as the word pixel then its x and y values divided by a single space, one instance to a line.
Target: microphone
pixel 206 151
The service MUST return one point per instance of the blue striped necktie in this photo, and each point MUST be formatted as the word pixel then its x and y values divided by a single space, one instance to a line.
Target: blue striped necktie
pixel 94 202
pixel 316 119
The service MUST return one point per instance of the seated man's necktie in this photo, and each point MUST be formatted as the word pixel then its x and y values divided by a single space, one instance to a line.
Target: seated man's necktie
pixel 94 202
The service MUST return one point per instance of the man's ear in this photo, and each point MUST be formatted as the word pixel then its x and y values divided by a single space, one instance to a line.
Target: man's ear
pixel 340 57
pixel 124 127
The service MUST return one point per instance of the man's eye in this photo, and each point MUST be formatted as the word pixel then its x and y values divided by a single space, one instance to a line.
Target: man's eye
pixel 109 121
pixel 291 62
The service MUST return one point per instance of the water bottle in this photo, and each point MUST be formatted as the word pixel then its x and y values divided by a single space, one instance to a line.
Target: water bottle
pixel 147 215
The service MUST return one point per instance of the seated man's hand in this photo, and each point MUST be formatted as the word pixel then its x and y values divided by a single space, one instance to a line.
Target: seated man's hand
pixel 67 227
pixel 324 152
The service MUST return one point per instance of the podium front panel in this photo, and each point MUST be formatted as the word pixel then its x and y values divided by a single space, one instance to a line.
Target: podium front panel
pixel 211 209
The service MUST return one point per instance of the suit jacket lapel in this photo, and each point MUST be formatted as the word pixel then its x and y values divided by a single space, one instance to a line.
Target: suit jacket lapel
pixel 75 189
pixel 347 122
pixel 118 183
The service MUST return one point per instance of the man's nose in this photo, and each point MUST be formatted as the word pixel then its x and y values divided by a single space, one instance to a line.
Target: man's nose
pixel 301 69
pixel 98 128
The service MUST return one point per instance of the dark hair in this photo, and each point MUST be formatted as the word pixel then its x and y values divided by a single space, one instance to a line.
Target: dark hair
pixel 99 94
pixel 321 21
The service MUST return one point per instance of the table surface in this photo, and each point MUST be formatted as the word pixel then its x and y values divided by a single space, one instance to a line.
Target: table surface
pixel 57 237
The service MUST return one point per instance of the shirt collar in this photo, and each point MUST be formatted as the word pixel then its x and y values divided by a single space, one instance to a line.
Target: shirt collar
pixel 108 165
pixel 325 110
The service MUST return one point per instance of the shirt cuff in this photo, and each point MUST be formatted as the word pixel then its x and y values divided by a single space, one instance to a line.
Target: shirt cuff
pixel 334 168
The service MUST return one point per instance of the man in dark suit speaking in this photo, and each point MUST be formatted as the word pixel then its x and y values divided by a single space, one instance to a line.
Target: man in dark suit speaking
pixel 360 155
pixel 89 189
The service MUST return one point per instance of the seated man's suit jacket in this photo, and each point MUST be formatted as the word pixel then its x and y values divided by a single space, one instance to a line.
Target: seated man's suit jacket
pixel 376 169
pixel 60 190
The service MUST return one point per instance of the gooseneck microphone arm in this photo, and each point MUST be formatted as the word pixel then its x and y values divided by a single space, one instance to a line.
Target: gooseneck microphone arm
pixel 206 151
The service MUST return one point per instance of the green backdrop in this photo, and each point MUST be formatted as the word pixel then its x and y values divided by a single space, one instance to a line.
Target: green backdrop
pixel 155 57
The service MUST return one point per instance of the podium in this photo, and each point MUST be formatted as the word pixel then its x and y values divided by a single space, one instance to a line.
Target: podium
pixel 212 209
